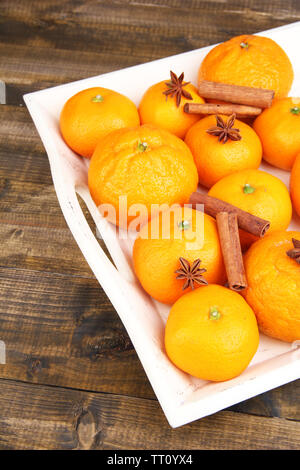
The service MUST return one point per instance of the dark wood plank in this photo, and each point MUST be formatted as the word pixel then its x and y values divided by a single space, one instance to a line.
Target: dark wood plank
pixel 62 330
pixel 26 190
pixel 19 135
pixel 41 249
pixel 50 42
pixel 30 215
pixel 40 417
pixel 27 69
pixel 27 195
pixel 116 27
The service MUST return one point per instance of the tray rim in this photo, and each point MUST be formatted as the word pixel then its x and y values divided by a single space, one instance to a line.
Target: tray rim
pixel 185 413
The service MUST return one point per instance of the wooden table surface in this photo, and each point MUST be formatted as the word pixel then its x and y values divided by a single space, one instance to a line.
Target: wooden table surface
pixel 72 378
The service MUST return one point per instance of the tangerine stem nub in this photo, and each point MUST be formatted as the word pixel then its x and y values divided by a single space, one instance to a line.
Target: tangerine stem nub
pixel 142 146
pixel 97 99
pixel 248 189
pixel 295 110
pixel 214 313
pixel 244 45
pixel 184 224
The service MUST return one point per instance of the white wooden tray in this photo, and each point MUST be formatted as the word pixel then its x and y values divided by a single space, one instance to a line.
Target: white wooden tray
pixel 182 397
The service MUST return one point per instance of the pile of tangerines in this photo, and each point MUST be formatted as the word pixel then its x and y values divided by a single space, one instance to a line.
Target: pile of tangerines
pixel 158 154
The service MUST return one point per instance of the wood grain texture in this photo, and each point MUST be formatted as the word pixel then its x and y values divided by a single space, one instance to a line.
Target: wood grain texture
pixel 39 417
pixel 50 42
pixel 62 330
pixel 64 340
pixel 93 26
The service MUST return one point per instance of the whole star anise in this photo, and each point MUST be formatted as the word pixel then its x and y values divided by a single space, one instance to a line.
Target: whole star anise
pixel 191 273
pixel 294 253
pixel 225 130
pixel 175 88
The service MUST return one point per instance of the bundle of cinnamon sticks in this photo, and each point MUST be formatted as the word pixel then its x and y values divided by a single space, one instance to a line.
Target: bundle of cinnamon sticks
pixel 229 219
pixel 242 101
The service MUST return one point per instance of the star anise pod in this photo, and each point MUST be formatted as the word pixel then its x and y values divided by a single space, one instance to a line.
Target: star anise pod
pixel 294 253
pixel 191 273
pixel 224 130
pixel 175 88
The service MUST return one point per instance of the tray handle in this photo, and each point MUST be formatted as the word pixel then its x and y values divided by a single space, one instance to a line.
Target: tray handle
pixel 108 234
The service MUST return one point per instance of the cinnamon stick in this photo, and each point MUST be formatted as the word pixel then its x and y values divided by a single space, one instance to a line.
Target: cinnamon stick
pixel 246 221
pixel 258 97
pixel 241 111
pixel 231 249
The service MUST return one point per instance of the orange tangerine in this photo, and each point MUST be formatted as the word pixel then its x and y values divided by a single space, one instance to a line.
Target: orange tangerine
pixel 179 233
pixel 274 285
pixel 145 166
pixel 295 184
pixel 91 114
pixel 249 60
pixel 259 193
pixel 166 111
pixel 279 130
pixel 214 158
pixel 211 333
